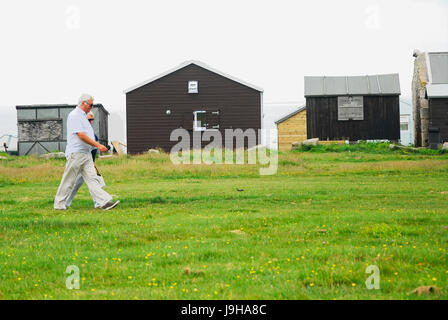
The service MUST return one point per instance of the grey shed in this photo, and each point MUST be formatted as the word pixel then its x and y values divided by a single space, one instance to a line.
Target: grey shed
pixel 42 128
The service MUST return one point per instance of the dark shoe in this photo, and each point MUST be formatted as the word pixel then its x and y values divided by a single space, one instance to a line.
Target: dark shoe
pixel 110 205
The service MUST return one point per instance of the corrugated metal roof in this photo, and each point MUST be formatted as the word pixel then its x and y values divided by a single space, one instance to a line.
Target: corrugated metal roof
pixel 438 67
pixel 200 64
pixel 386 84
pixel 437 90
pixel 290 115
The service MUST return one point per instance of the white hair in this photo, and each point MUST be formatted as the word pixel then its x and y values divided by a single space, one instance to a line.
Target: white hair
pixel 84 98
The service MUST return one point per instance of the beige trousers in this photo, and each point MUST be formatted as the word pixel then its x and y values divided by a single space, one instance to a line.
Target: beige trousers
pixel 80 163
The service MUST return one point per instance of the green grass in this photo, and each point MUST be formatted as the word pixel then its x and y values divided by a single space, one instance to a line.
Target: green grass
pixel 185 232
pixel 368 147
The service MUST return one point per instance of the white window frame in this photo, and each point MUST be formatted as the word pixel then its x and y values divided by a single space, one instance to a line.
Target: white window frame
pixel 193 87
pixel 195 121
pixel 405 119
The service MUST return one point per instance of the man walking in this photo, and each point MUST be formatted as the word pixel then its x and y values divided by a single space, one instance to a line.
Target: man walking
pixel 79 180
pixel 80 142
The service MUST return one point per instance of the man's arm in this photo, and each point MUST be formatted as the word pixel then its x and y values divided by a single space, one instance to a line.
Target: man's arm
pixel 84 137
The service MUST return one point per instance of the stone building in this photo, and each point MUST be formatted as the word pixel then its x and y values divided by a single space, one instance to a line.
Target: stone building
pixel 430 98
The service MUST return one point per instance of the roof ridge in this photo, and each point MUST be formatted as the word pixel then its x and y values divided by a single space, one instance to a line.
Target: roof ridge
pixel 300 109
pixel 199 64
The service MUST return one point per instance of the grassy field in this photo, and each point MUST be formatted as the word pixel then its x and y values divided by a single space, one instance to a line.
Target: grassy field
pixel 186 232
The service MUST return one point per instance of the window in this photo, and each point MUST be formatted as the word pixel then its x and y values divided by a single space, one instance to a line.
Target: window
pixel 350 108
pixel 200 121
pixel 404 122
pixel 193 87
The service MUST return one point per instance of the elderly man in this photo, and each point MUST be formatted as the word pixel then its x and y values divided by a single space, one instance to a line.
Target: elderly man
pixel 80 142
pixel 79 180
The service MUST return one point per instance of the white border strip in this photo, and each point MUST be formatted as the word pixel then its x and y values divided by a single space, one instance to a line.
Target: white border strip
pixel 428 67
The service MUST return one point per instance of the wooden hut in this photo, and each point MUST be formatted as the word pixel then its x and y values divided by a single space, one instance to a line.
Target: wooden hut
pixel 291 128
pixel 353 108
pixel 192 96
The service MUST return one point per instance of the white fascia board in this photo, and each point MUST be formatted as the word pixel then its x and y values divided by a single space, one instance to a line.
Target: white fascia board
pixel 437 90
pixel 428 67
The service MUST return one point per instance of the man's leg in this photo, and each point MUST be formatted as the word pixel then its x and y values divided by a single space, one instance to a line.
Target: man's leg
pixel 88 172
pixel 95 202
pixel 72 169
pixel 78 183
pixel 102 185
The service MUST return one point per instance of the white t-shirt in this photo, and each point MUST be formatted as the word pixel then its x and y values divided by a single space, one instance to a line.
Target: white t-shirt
pixel 77 122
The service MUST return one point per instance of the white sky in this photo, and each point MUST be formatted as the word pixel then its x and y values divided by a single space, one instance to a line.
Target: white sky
pixel 54 50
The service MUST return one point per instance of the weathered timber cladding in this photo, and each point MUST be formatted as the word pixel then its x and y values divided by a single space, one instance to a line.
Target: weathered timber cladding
pixel 381 119
pixel 149 126
pixel 438 117
pixel 292 130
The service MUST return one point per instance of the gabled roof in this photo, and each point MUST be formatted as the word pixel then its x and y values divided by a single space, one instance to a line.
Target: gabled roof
pixel 437 63
pixel 385 84
pixel 198 63
pixel 290 115
pixel 437 66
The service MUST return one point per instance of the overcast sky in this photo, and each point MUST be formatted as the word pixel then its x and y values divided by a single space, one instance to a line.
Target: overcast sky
pixel 54 50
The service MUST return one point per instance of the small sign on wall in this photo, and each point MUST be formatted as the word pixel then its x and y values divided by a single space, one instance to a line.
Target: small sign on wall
pixel 193 87
pixel 350 108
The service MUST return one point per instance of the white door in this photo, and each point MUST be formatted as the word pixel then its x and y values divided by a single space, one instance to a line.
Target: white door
pixel 405 130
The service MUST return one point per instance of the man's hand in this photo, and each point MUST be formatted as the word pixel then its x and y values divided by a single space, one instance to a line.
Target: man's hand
pixel 101 148
pixel 84 137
